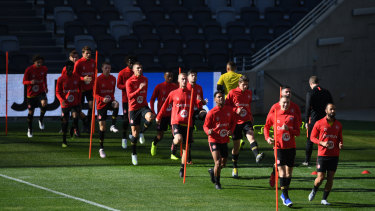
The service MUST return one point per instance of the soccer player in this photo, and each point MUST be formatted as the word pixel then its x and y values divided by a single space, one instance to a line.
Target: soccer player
pixel 316 101
pixel 85 68
pixel 122 77
pixel 219 125
pixel 228 80
pixel 105 100
pixel 68 91
pixel 286 125
pixel 327 133
pixel 180 100
pixel 199 112
pixel 294 108
pixel 240 99
pixel 73 56
pixel 35 79
pixel 161 93
pixel 136 90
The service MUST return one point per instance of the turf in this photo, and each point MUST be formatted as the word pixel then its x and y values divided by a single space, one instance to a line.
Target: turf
pixel 155 184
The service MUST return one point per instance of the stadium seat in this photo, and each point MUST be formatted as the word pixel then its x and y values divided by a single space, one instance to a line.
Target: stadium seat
pixel 99 4
pixel 239 4
pixel 129 43
pixel 249 15
pixel 218 42
pixel 117 58
pixel 169 4
pixel 262 42
pixel 106 44
pixel 4 29
pixel 86 14
pixel 150 42
pixel 240 43
pixel 97 28
pixel 142 28
pixel 155 15
pixel 214 5
pixel 279 28
pixel 172 41
pixel 310 4
pixel 49 6
pixel 274 14
pixel 236 28
pixel 217 58
pixel 132 14
pixel 188 28
pixel 146 4
pixel 178 14
pixel 211 28
pixel 119 4
pixel 169 58
pixel 78 4
pixel 202 15
pixel 195 42
pixel 191 4
pixel 225 15
pixel 19 61
pixel 72 29
pixel 9 43
pixel 259 29
pixel 109 14
pixel 84 40
pixel 147 60
pixel 297 14
pixel 119 28
pixel 63 15
pixel 194 59
pixel 166 27
pixel 288 4
pixel 263 4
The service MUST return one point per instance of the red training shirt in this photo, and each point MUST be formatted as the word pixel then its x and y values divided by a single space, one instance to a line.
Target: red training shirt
pixel 122 77
pixel 237 98
pixel 221 120
pixel 68 89
pixel 137 98
pixel 198 89
pixel 294 109
pixel 105 87
pixel 85 67
pixel 285 139
pixel 40 75
pixel 323 131
pixel 161 92
pixel 180 100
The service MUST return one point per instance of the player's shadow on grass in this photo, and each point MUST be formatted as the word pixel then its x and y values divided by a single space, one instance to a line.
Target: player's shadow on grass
pixel 349 205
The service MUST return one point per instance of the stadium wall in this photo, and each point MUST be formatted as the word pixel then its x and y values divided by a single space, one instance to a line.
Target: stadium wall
pixel 345 67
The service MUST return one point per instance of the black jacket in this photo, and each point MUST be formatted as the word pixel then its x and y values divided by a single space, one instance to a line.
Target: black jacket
pixel 316 102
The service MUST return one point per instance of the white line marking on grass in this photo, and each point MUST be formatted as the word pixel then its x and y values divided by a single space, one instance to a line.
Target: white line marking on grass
pixel 59 193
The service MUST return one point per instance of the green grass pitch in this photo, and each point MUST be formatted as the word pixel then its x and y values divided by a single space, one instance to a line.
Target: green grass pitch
pixel 155 184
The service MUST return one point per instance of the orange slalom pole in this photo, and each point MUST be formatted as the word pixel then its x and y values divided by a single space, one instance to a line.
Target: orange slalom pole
pixel 276 169
pixel 93 104
pixel 280 91
pixel 6 92
pixel 188 130
pixel 179 72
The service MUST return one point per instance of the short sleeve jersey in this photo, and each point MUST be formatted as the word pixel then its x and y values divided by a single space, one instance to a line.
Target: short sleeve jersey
pixel 39 74
pixel 325 132
pixel 105 88
pixel 229 80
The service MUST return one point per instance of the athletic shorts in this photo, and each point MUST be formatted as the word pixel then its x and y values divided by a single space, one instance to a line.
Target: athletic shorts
pixel 34 102
pixel 286 157
pixel 65 111
pixel 180 129
pixel 196 114
pixel 135 116
pixel 88 95
pixel 125 109
pixel 102 113
pixel 164 122
pixel 221 148
pixel 326 163
pixel 242 129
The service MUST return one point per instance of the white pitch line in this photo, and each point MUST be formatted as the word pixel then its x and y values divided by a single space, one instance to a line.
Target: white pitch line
pixel 59 193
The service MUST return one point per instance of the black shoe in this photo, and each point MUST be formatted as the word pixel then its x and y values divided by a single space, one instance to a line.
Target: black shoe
pixel 77 133
pixel 218 186
pixel 71 132
pixel 181 172
pixel 211 172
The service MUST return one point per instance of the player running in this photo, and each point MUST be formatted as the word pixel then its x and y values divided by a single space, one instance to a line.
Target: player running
pixel 136 90
pixel 180 100
pixel 161 93
pixel 122 77
pixel 240 99
pixel 105 100
pixel 68 91
pixel 327 133
pixel 286 127
pixel 35 79
pixel 219 125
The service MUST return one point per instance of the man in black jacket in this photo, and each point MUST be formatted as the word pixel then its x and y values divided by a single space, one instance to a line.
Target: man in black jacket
pixel 316 101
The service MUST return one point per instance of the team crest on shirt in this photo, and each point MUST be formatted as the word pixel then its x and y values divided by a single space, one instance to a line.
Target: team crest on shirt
pixel 337 127
pixel 169 107
pixel 292 110
pixel 286 136
pixel 249 96
pixel 109 97
pixel 140 99
pixel 163 92
pixel 223 133
pixel 35 88
pixel 291 118
pixel 112 82
pixel 243 113
pixel 70 98
pixel 184 113
pixel 330 144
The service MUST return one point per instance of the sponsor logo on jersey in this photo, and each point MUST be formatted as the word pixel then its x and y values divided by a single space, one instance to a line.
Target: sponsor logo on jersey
pixel 223 132
pixel 70 98
pixel 286 136
pixel 243 113
pixel 184 113
pixel 35 88
pixel 330 144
